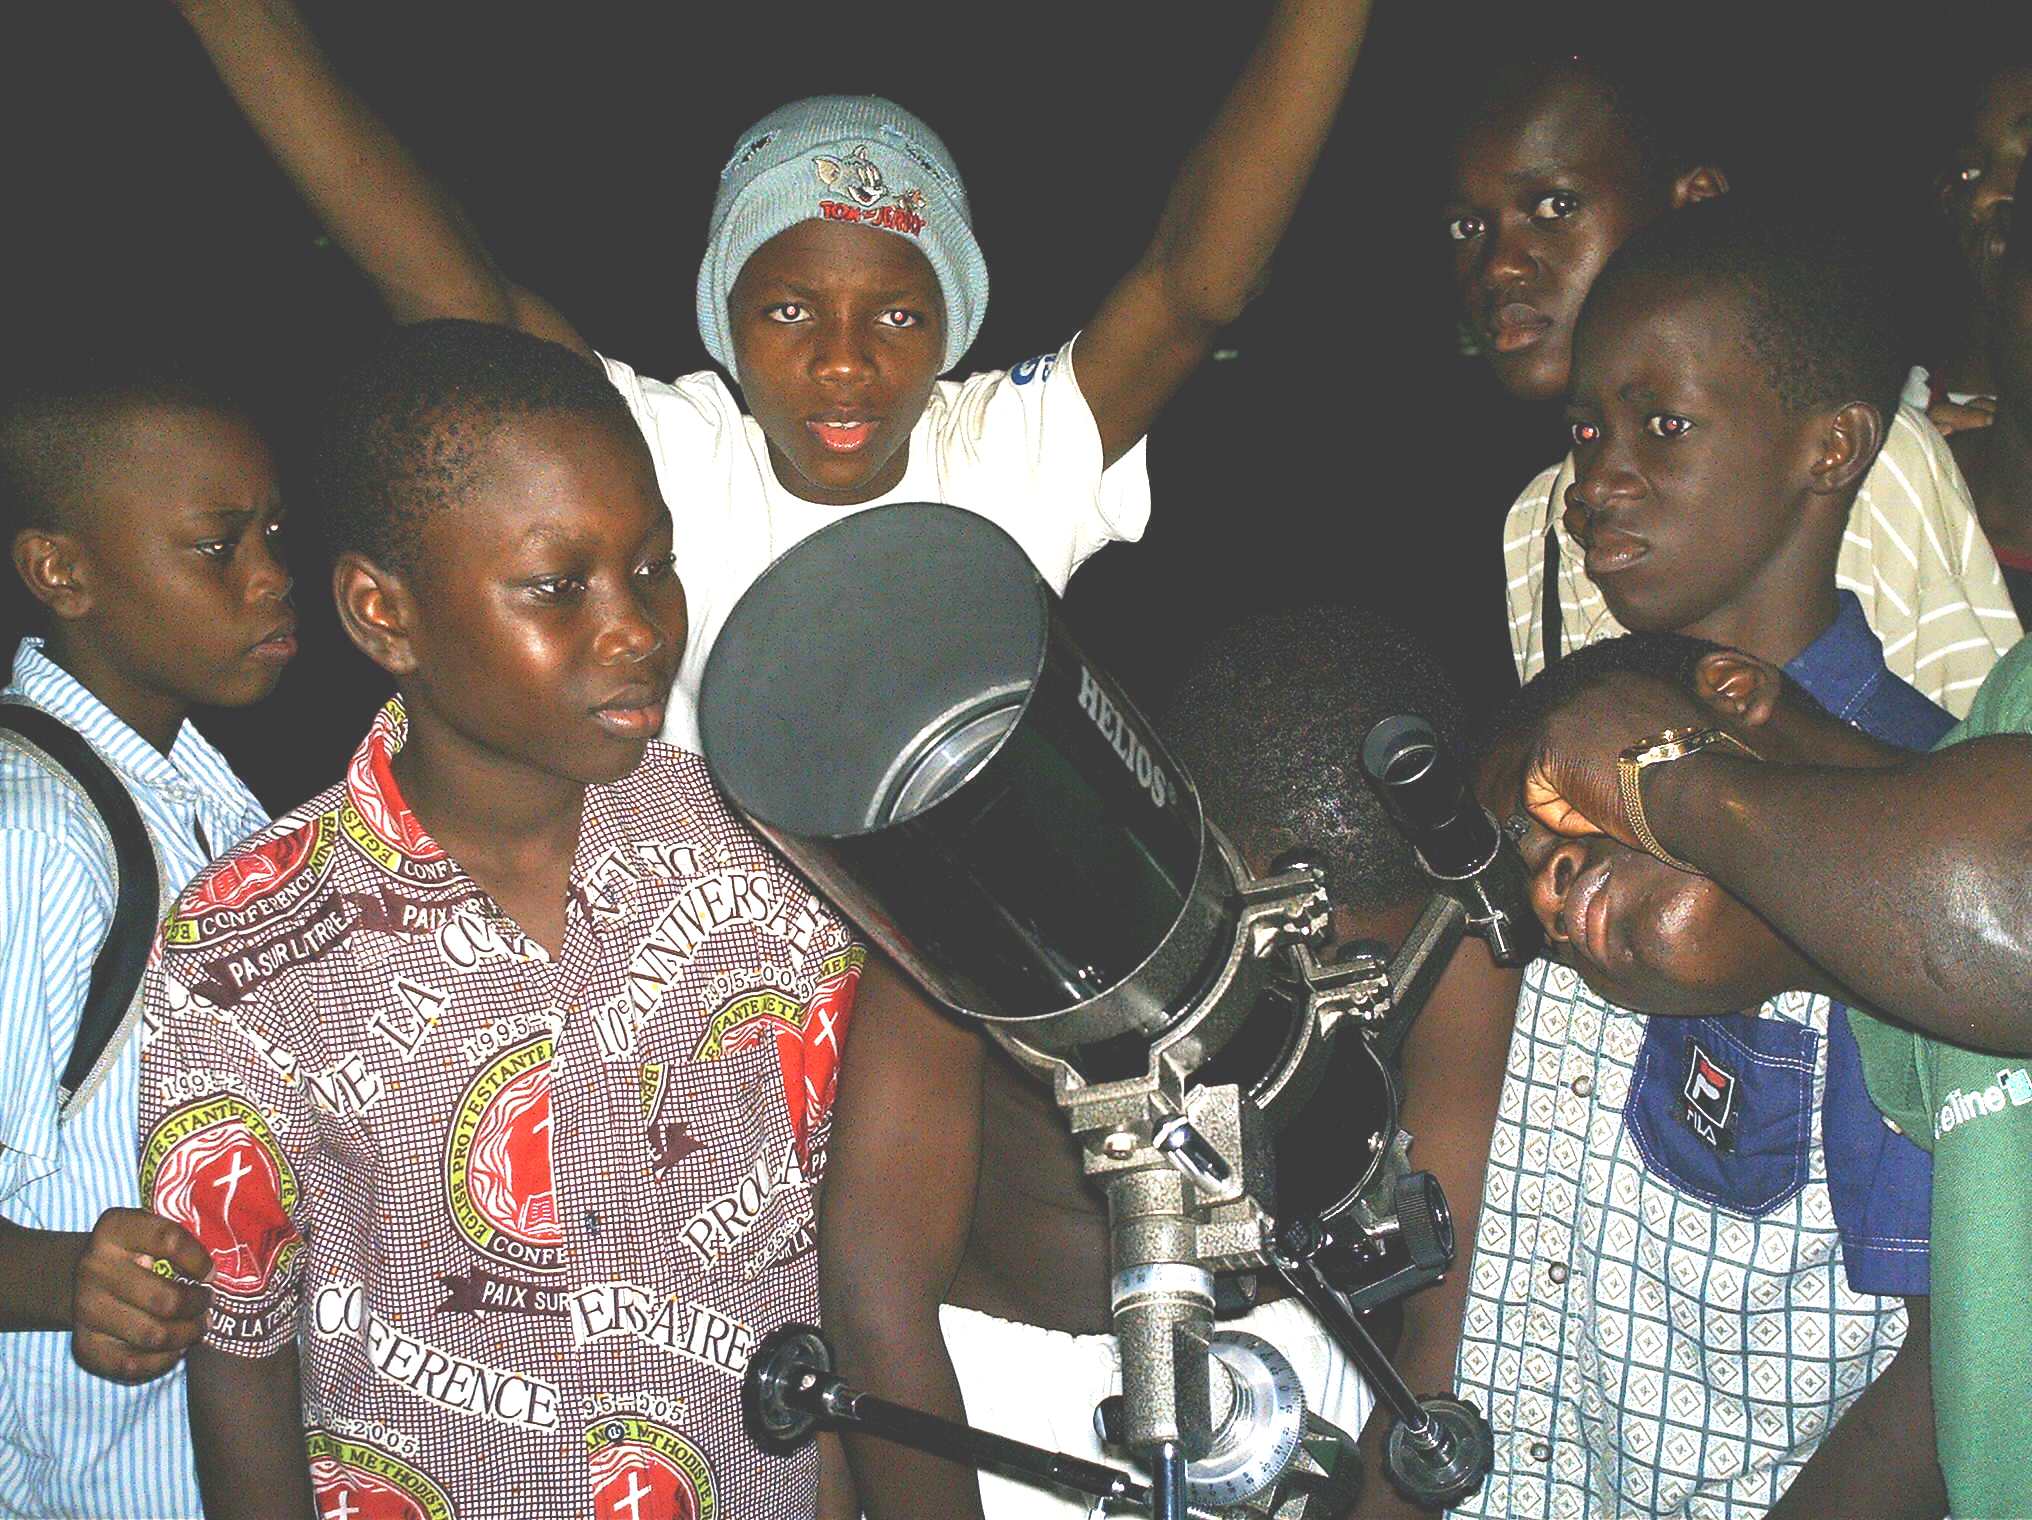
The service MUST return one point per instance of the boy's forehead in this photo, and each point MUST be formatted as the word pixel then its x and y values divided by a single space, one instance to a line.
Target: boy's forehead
pixel 1560 122
pixel 549 475
pixel 1708 318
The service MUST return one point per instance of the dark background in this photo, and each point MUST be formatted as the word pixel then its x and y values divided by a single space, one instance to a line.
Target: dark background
pixel 1346 452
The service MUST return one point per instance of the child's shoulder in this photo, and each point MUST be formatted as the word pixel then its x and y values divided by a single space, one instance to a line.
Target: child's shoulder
pixel 273 873
pixel 42 811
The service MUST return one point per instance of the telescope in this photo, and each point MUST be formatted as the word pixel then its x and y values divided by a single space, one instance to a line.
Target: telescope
pixel 899 707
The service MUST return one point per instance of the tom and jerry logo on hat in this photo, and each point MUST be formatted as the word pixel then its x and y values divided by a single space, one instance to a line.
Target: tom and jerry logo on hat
pixel 868 198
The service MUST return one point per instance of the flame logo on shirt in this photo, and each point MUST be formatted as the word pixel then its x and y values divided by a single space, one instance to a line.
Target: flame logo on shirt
pixel 498 1163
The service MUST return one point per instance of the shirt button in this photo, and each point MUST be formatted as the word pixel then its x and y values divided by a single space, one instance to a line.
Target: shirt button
pixel 1557 1271
pixel 1540 1452
pixel 1582 1087
pixel 592 1223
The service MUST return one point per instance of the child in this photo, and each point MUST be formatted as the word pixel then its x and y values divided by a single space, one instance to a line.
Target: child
pixel 1658 1321
pixel 840 279
pixel 1564 159
pixel 496 1079
pixel 970 1276
pixel 141 515
pixel 1998 458
pixel 1975 200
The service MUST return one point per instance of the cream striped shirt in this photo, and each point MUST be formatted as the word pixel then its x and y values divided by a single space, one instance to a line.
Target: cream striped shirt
pixel 1914 554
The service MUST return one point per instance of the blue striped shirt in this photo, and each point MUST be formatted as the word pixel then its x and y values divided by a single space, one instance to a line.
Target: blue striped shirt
pixel 72 1444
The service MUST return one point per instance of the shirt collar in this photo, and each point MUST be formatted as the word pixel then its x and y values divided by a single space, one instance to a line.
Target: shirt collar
pixel 372 789
pixel 1842 666
pixel 190 764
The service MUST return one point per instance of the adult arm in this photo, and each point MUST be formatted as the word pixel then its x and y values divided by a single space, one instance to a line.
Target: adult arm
pixel 246 1419
pixel 403 229
pixel 1910 884
pixel 1878 1462
pixel 1229 206
pixel 899 1201
pixel 1453 1065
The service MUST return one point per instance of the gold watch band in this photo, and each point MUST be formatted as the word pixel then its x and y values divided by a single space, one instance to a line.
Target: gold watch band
pixel 1672 744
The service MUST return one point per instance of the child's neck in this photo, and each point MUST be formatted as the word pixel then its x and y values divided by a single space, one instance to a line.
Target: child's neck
pixel 1999 469
pixel 1773 622
pixel 154 715
pixel 511 827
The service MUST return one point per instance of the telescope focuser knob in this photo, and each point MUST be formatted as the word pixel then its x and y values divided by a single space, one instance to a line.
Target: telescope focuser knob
pixel 1424 1222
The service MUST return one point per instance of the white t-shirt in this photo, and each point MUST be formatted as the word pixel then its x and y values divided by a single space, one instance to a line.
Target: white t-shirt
pixel 1018 446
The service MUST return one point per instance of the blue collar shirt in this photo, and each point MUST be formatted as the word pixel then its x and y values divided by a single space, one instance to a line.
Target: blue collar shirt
pixel 1881 1183
pixel 70 1443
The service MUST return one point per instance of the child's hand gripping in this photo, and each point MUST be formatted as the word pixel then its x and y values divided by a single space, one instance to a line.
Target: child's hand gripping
pixel 139 1296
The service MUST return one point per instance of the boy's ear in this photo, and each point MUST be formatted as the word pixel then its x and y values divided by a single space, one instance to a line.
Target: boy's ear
pixel 1848 447
pixel 54 567
pixel 1738 688
pixel 376 609
pixel 1703 182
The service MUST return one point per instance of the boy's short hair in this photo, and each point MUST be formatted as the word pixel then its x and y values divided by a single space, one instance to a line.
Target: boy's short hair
pixel 403 431
pixel 53 427
pixel 1668 657
pixel 1268 720
pixel 1818 302
pixel 1643 90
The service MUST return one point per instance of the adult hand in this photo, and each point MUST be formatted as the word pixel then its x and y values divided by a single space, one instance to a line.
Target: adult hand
pixel 1952 417
pixel 1569 766
pixel 130 1322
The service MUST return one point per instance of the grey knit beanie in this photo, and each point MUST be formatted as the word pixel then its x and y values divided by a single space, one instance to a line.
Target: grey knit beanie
pixel 848 158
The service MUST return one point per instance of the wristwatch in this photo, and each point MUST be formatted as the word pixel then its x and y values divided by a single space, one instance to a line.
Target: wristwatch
pixel 1670 744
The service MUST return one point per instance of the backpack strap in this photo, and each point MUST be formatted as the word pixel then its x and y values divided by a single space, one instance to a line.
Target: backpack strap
pixel 112 998
pixel 1552 634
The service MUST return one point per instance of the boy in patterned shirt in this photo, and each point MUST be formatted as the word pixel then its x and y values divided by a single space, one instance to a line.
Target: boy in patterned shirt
pixel 1667 1304
pixel 496 1079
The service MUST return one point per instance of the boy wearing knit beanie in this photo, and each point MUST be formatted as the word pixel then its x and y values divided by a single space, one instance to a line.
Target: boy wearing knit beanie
pixel 841 279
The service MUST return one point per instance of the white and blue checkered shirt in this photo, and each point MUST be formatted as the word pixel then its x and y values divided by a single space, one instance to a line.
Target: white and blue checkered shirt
pixel 72 1444
pixel 1657 1324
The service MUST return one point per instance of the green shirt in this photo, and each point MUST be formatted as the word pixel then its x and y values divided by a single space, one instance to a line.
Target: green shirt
pixel 1974 1112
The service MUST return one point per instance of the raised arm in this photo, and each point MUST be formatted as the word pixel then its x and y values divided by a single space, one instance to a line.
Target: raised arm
pixel 899 1201
pixel 402 228
pixel 1229 206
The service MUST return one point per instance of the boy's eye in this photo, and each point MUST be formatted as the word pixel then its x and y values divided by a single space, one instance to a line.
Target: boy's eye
pixel 657 569
pixel 787 312
pixel 1667 425
pixel 1555 207
pixel 218 548
pixel 899 316
pixel 1462 228
pixel 1967 174
pixel 557 588
pixel 1584 433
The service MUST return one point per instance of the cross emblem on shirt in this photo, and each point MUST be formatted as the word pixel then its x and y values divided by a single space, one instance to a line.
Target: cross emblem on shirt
pixel 344 1509
pixel 632 1500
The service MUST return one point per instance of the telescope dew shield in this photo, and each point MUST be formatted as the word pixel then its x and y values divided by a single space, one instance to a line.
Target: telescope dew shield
pixel 898 706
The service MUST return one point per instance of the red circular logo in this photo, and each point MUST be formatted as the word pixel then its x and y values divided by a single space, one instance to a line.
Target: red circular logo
pixel 224 1185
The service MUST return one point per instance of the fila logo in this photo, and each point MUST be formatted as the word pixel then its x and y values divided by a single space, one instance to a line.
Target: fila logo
pixel 1709 1098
